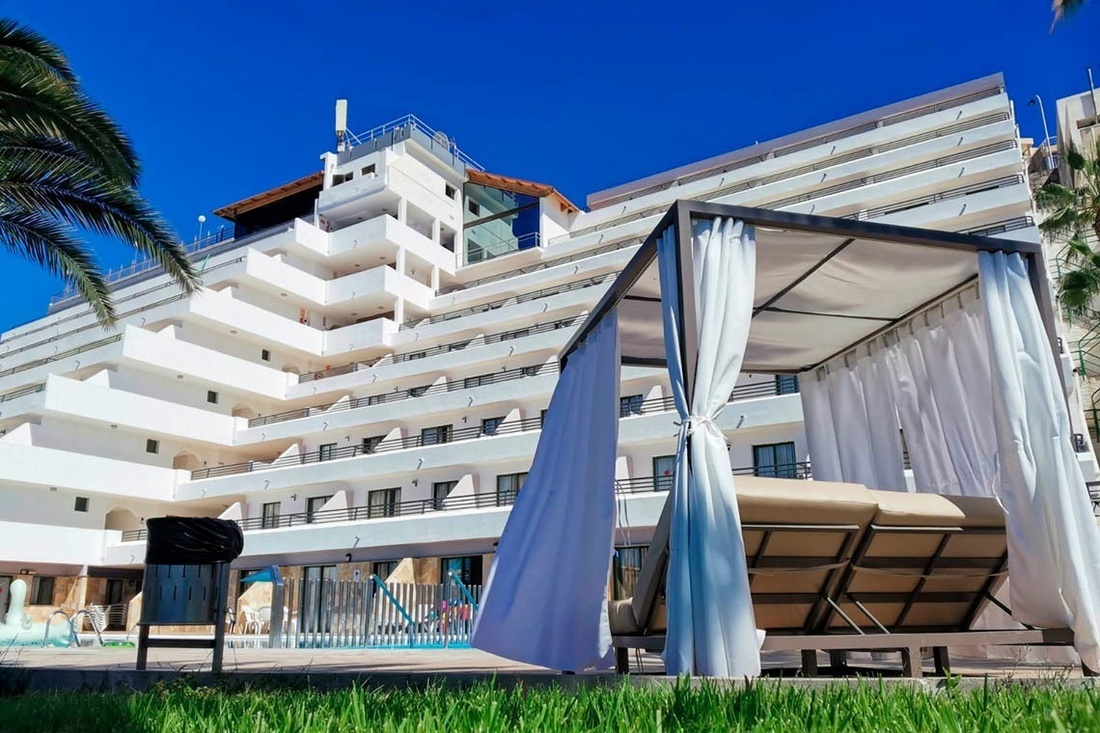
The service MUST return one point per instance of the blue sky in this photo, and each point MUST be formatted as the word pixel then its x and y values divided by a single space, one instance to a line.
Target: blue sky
pixel 225 99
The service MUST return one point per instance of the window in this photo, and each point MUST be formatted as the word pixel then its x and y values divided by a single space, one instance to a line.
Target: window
pixel 42 591
pixel 473 207
pixel 776 460
pixel 440 490
pixel 626 566
pixel 490 425
pixel 270 515
pixel 338 178
pixel 383 502
pixel 542 417
pixel 466 570
pixel 265 355
pixel 314 504
pixel 81 504
pixel 327 451
pixel 152 446
pixel 498 221
pixel 630 405
pixel 384 568
pixel 367 170
pixel 663 469
pixel 433 436
pixel 371 443
pixel 212 397
pixel 786 384
pixel 449 191
pixel 418 391
pixel 508 487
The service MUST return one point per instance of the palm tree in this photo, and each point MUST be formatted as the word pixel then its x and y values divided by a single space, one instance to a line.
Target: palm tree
pixel 1074 213
pixel 66 166
pixel 1063 9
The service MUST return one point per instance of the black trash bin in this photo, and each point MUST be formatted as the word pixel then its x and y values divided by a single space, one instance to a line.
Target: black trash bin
pixel 187 580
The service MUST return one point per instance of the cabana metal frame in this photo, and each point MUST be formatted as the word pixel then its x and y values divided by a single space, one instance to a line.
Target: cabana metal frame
pixel 818 635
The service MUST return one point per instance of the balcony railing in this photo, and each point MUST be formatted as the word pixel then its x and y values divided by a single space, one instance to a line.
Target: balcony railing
pixel 485 500
pixel 405 394
pixel 492 338
pixel 63 355
pixel 662 404
pixel 415 123
pixel 511 300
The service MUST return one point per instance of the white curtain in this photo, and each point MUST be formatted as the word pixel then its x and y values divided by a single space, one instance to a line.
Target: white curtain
pixel 711 628
pixel 1053 542
pixel 845 414
pixel 545 600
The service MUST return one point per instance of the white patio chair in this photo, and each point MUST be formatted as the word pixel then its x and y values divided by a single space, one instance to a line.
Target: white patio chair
pixel 252 622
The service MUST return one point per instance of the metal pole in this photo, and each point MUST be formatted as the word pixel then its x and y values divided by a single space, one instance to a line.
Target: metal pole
pixel 1046 133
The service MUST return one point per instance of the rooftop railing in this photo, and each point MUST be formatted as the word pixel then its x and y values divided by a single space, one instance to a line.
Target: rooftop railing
pixel 645 407
pixel 485 500
pixel 415 123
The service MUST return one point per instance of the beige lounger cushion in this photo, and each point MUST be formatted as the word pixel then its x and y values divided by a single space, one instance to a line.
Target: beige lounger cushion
pixel 620 617
pixel 972 551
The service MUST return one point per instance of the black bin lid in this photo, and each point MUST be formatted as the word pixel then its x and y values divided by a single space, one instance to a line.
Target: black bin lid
pixel 192 541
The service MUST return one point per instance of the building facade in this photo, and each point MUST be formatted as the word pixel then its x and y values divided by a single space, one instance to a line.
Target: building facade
pixel 362 378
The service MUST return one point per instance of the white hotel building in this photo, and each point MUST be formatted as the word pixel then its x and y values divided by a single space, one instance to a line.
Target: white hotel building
pixel 362 376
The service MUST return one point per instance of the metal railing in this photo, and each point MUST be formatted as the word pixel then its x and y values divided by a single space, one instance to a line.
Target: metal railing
pixel 661 404
pixel 932 198
pixel 88 312
pixel 405 394
pixel 415 123
pixel 819 140
pixel 62 355
pixel 485 500
pixel 487 252
pixel 511 300
pixel 22 391
pixel 140 266
pixel 447 348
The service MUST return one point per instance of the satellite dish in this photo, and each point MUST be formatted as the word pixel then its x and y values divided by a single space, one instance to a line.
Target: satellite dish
pixel 441 138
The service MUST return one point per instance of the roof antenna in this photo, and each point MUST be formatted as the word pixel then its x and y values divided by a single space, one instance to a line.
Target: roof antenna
pixel 341 125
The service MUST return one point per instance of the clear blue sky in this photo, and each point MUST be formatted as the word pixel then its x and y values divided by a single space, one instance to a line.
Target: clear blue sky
pixel 225 99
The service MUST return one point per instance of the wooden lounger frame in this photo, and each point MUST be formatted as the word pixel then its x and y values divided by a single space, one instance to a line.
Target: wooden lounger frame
pixel 819 633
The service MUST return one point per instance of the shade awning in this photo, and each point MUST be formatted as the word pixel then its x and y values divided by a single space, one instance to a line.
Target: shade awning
pixel 823 285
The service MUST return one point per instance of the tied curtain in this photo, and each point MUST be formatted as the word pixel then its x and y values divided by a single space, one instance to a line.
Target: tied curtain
pixel 711 628
pixel 1053 542
pixel 545 600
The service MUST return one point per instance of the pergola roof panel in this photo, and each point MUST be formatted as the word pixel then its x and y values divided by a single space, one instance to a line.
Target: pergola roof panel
pixel 823 285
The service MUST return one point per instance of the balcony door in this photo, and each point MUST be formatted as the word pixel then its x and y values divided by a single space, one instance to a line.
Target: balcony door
pixel 775 460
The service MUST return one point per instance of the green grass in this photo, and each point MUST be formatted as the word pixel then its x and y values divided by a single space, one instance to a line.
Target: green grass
pixel 763 707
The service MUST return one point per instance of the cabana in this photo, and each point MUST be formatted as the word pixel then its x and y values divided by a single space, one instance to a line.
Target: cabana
pixel 946 341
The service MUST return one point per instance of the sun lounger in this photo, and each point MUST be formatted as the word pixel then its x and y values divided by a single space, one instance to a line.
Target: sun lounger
pixel 837 567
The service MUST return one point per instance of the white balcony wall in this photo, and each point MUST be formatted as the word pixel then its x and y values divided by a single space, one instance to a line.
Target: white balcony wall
pixel 22 543
pixel 372 334
pixel 162 351
pixel 436 409
pixel 104 406
pixel 28 465
pixel 388 374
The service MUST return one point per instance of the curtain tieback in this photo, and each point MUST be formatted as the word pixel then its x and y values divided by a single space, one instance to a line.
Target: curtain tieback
pixel 692 423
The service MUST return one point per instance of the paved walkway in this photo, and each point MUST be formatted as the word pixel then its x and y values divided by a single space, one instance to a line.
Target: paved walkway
pixel 94 668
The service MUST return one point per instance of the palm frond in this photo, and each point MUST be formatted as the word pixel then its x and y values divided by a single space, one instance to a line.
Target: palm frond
pixel 21 45
pixel 40 239
pixel 73 192
pixel 38 105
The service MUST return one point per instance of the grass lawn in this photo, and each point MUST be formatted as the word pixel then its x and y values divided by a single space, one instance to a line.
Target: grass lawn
pixel 765 707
